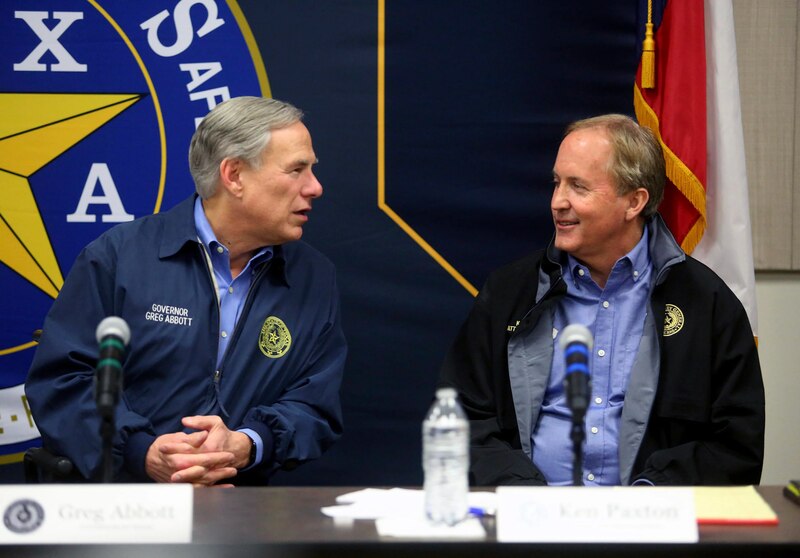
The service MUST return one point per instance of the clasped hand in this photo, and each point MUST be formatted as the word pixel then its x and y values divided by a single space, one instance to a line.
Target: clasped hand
pixel 203 458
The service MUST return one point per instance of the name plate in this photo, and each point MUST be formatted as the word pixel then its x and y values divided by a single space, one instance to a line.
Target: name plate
pixel 596 514
pixel 95 513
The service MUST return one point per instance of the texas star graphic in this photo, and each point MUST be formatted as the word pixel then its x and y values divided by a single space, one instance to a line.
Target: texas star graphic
pixel 35 129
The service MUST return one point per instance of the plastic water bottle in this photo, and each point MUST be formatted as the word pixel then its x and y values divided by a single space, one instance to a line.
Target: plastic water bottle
pixel 445 459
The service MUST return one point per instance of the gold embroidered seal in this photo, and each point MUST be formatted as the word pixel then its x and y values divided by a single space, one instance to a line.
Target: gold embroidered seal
pixel 275 338
pixel 673 320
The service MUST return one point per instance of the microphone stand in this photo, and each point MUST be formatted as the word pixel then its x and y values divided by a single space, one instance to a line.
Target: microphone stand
pixel 107 399
pixel 107 396
pixel 107 435
pixel 578 435
pixel 109 392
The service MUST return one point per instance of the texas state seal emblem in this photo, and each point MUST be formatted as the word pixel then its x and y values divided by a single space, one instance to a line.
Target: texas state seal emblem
pixel 673 320
pixel 275 338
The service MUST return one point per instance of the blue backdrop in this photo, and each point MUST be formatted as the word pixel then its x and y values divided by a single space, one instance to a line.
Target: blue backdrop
pixel 436 125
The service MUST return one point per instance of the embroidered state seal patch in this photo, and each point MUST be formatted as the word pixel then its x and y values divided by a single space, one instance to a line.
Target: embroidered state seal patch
pixel 275 338
pixel 673 320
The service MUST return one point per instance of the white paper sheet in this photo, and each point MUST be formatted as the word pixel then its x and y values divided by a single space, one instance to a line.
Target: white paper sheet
pixel 399 512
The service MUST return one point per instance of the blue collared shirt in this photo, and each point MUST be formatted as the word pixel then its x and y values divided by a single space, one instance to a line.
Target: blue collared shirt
pixel 615 316
pixel 231 292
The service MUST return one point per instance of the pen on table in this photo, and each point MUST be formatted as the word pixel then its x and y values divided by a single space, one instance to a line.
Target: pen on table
pixel 481 512
pixel 792 491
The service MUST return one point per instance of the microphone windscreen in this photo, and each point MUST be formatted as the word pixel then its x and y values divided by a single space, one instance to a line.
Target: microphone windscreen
pixel 113 325
pixel 576 332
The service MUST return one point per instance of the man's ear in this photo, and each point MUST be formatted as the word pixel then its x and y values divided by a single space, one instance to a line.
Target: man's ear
pixel 638 200
pixel 230 175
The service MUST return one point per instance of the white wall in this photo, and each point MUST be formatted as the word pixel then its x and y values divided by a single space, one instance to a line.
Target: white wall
pixel 768 54
pixel 778 297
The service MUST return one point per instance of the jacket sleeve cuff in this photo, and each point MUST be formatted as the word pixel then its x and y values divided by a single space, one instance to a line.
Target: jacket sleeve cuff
pixel 135 453
pixel 261 434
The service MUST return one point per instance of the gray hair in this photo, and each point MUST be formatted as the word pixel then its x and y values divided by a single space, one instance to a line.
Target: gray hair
pixel 637 161
pixel 237 128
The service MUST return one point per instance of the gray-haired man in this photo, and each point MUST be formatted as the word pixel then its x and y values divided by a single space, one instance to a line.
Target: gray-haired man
pixel 236 352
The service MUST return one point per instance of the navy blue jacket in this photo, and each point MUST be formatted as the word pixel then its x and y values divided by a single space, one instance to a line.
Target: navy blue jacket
pixel 152 272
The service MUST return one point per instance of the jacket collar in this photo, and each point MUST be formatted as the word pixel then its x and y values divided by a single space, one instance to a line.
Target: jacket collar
pixel 664 250
pixel 179 230
pixel 664 253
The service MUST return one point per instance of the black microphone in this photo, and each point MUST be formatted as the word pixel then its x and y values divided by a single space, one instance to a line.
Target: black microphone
pixel 576 341
pixel 113 335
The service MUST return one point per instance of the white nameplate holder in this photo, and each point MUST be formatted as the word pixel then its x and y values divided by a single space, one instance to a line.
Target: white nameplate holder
pixel 96 513
pixel 596 514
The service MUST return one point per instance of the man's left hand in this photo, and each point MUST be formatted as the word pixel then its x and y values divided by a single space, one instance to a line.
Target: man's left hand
pixel 220 438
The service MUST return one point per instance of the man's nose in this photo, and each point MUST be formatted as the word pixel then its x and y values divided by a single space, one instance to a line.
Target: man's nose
pixel 314 188
pixel 559 199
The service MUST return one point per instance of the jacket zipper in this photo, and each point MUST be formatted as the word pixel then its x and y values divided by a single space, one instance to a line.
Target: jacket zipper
pixel 217 376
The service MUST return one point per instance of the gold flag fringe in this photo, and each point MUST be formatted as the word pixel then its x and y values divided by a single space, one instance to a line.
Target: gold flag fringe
pixel 679 174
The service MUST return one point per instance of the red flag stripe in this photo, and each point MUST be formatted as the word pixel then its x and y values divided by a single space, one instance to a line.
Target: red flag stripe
pixel 688 229
pixel 675 109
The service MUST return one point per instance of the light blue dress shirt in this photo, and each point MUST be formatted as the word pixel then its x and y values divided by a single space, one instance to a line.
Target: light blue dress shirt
pixel 231 293
pixel 614 316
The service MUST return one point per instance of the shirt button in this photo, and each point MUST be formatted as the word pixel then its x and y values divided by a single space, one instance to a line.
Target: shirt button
pixel 595 430
pixel 224 334
pixel 581 272
pixel 590 477
pixel 605 304
pixel 601 353
pixel 636 274
pixel 230 290
pixel 598 400
pixel 220 249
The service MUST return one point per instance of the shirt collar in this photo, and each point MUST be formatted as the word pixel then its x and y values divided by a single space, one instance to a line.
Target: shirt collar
pixel 206 235
pixel 639 257
pixel 634 262
pixel 179 230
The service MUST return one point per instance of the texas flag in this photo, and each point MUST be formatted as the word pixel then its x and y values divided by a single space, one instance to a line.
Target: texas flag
pixel 687 92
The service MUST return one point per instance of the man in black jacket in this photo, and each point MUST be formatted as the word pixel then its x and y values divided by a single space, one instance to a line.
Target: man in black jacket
pixel 677 396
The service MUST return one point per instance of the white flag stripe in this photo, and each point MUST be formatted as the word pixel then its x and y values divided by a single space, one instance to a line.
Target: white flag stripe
pixel 726 246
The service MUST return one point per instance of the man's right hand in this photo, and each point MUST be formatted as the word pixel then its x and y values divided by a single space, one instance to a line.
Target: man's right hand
pixel 177 458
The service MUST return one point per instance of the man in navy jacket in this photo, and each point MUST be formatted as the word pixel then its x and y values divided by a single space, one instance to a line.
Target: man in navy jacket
pixel 236 353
